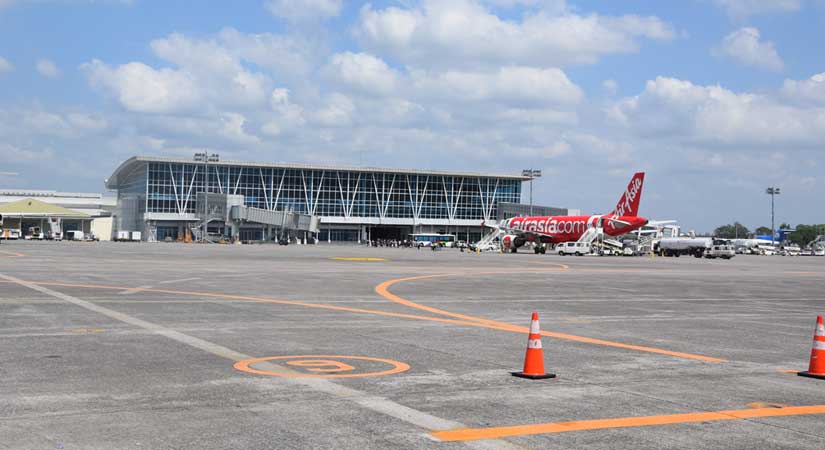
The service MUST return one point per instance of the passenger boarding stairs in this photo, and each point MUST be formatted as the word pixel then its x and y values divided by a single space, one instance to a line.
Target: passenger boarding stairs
pixel 591 235
pixel 488 242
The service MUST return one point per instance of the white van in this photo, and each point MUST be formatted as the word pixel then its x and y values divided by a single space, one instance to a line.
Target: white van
pixel 721 251
pixel 573 248
pixel 75 235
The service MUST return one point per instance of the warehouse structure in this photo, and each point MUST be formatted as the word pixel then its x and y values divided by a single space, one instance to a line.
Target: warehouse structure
pixel 56 211
pixel 160 198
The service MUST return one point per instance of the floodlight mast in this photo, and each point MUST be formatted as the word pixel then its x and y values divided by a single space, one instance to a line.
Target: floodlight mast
pixel 773 191
pixel 532 174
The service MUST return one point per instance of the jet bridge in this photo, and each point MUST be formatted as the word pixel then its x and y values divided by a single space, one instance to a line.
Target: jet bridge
pixel 281 219
pixel 230 209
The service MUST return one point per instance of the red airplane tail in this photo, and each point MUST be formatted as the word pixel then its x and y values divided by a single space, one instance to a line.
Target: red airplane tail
pixel 629 203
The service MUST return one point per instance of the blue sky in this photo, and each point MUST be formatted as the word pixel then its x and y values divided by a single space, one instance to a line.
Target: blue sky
pixel 714 99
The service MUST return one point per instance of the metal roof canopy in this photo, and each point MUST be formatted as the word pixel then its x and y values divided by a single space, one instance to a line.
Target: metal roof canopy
pixel 30 207
pixel 111 182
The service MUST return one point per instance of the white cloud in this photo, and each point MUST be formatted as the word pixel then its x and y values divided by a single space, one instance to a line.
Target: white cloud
pixel 35 121
pixel 338 111
pixel 210 73
pixel 511 85
pixel 47 68
pixel 5 65
pixel 9 152
pixel 744 47
pixel 549 6
pixel 810 91
pixel 285 55
pixel 740 9
pixel 297 11
pixel 362 72
pixel 681 111
pixel 287 116
pixel 464 32
pixel 140 88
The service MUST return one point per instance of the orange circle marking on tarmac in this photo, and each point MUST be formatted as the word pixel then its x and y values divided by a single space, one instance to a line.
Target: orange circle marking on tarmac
pixel 315 363
pixel 322 365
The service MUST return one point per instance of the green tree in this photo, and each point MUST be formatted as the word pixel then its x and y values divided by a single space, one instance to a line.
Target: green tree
pixel 804 234
pixel 762 231
pixel 737 230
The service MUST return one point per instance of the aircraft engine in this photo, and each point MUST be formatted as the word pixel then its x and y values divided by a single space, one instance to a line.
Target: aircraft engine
pixel 511 242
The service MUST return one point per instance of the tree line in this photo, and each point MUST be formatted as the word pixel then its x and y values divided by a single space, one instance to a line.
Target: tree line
pixel 803 235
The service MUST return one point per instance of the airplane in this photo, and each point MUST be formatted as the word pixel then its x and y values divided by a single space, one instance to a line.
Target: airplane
pixel 778 237
pixel 555 229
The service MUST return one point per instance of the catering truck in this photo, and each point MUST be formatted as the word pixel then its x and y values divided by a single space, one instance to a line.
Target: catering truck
pixel 678 246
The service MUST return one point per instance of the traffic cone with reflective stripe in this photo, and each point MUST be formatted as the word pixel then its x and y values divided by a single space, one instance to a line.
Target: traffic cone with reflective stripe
pixel 534 358
pixel 817 367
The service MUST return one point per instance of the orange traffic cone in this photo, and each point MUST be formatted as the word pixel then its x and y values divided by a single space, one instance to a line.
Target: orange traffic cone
pixel 817 367
pixel 534 358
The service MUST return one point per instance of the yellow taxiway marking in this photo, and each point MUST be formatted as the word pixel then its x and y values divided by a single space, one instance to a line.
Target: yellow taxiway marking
pixel 88 330
pixel 473 434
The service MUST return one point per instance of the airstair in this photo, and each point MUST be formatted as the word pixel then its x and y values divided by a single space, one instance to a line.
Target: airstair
pixel 488 242
pixel 591 235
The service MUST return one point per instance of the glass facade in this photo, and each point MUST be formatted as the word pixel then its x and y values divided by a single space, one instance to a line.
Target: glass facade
pixel 172 187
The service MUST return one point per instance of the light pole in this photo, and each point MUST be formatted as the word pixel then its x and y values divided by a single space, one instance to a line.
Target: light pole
pixel 532 173
pixel 772 191
pixel 206 158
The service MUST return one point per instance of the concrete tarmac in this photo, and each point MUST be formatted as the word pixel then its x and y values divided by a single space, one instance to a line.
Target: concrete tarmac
pixel 174 346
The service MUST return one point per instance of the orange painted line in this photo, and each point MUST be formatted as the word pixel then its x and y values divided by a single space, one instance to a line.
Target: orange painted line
pixel 276 301
pixel 474 434
pixel 245 366
pixel 787 371
pixel 13 254
pixel 383 290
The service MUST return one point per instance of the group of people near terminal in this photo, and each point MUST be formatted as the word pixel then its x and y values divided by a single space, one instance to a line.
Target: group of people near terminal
pixel 390 243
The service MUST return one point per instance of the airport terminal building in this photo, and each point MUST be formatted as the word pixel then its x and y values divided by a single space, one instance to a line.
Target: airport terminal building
pixel 159 197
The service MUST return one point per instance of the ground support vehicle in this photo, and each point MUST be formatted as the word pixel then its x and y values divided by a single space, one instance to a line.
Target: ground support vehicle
pixel 574 248
pixel 678 246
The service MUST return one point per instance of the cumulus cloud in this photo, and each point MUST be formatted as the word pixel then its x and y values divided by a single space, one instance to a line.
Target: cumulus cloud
pixel 439 34
pixel 510 85
pixel 338 111
pixel 5 65
pixel 744 47
pixel 740 9
pixel 47 68
pixel 304 10
pixel 712 115
pixel 363 72
pixel 140 88
pixel 806 92
pixel 209 73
